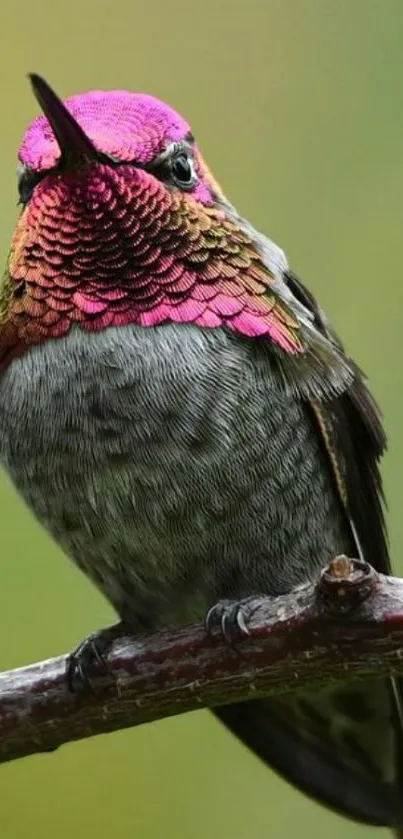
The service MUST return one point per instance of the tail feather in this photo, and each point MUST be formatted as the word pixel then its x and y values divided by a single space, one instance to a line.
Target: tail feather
pixel 335 764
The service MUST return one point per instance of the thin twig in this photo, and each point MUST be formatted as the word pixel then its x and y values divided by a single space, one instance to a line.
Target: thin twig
pixel 349 622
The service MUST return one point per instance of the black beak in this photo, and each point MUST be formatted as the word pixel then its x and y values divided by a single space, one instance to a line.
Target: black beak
pixel 74 143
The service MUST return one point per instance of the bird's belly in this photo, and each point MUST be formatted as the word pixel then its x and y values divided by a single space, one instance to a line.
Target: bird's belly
pixel 171 465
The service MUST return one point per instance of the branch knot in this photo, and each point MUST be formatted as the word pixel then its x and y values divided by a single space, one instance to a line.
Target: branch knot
pixel 345 583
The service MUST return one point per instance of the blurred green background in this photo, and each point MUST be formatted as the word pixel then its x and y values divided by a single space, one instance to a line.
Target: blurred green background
pixel 297 105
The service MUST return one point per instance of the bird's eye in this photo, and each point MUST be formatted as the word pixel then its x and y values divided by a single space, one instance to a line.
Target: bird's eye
pixel 183 171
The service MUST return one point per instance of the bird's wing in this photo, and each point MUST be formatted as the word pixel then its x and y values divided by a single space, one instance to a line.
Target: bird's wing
pixel 354 440
pixel 344 744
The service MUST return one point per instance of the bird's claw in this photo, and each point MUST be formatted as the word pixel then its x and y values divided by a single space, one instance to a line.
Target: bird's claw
pixel 230 617
pixel 88 660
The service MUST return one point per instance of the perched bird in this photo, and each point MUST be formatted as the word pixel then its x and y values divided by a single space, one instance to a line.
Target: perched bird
pixel 177 412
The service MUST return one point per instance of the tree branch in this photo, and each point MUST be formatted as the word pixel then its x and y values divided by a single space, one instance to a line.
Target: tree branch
pixel 348 623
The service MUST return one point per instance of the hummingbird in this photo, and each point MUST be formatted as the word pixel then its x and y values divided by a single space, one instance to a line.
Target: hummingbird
pixel 179 414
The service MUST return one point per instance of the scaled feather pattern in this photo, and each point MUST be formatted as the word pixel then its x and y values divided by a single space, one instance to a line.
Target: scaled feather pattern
pixel 109 243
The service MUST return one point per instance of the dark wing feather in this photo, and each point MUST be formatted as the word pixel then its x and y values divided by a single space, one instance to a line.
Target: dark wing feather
pixel 358 437
pixel 354 439
pixel 343 745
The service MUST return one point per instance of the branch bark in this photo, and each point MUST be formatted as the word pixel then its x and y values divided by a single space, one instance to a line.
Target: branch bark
pixel 349 623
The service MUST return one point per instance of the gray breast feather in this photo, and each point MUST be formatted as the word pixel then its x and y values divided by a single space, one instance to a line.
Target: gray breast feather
pixel 171 464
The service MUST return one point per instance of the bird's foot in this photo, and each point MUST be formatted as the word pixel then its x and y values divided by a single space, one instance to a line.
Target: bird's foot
pixel 230 618
pixel 88 663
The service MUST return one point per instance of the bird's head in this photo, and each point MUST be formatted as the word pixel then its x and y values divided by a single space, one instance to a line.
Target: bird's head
pixel 114 135
pixel 122 222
